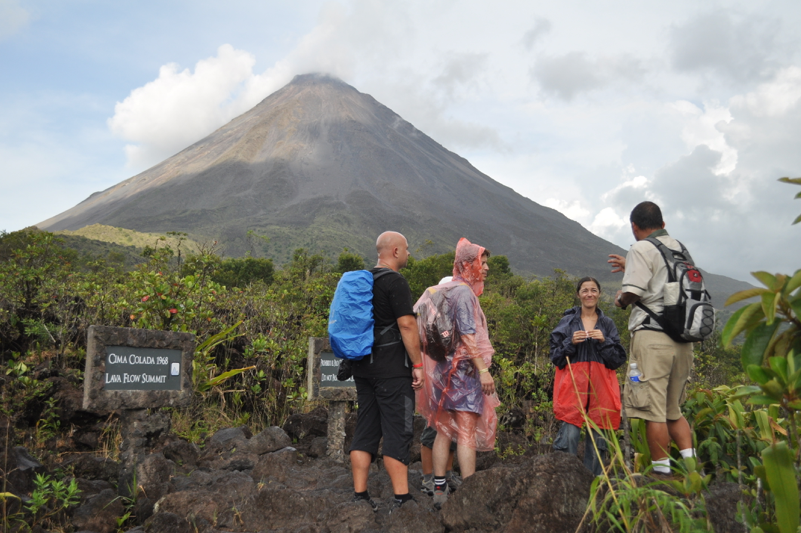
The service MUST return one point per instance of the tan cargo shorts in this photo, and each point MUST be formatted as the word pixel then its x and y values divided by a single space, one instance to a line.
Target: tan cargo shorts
pixel 665 366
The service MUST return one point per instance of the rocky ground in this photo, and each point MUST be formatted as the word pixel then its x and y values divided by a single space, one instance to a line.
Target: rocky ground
pixel 280 480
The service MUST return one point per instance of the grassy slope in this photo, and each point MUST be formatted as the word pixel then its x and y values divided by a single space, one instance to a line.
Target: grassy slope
pixel 128 237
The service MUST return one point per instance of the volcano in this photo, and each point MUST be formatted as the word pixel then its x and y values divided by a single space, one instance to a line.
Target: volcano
pixel 319 165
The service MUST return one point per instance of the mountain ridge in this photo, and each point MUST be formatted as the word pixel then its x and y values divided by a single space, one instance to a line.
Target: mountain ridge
pixel 320 165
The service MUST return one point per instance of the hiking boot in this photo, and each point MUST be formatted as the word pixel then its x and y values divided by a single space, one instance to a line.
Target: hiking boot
pixel 427 486
pixel 370 501
pixel 441 496
pixel 396 504
pixel 454 482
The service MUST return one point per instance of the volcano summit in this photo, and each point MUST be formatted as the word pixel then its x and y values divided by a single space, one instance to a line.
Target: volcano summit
pixel 320 165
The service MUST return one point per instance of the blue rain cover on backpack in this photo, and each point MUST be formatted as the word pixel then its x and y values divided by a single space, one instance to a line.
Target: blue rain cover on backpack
pixel 350 319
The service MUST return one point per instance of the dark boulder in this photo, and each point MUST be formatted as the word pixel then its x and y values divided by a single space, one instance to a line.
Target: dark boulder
pixel 269 440
pixel 167 523
pixel 721 506
pixel 92 467
pixel 347 517
pixel 193 505
pixel 228 438
pixel 299 426
pixel 548 494
pixel 276 466
pixel 91 487
pixel 182 453
pixel 152 480
pixel 20 468
pixel 99 513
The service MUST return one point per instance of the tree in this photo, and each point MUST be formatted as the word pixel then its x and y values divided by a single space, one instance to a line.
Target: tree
pixel 348 262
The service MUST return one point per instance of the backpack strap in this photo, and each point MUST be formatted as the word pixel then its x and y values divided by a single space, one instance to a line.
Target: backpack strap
pixel 378 334
pixel 382 272
pixel 670 261
pixel 668 255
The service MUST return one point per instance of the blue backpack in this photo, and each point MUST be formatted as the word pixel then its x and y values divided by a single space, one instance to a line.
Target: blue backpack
pixel 350 318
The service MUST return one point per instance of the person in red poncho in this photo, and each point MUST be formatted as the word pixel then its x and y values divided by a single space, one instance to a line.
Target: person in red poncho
pixel 586 349
pixel 458 398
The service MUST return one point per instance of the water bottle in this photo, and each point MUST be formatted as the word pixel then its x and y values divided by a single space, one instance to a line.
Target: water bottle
pixel 634 375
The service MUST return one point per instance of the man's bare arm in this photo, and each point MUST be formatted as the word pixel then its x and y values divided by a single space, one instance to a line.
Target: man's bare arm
pixel 411 340
pixel 411 337
pixel 625 299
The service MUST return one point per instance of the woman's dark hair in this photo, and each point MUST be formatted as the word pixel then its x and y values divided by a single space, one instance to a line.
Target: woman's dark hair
pixel 584 280
pixel 647 215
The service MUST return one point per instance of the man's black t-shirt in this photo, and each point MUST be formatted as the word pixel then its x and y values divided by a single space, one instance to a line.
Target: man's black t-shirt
pixel 392 299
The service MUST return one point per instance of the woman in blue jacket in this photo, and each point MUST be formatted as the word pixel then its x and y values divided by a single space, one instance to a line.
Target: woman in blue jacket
pixel 586 349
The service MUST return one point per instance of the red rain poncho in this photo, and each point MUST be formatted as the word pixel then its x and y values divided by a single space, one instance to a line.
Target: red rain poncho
pixel 452 387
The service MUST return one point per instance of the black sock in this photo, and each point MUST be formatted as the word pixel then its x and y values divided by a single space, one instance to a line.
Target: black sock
pixel 403 498
pixel 363 495
pixel 440 483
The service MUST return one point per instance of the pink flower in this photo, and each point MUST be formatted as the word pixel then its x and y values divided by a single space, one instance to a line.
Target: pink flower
pixel 146 298
pixel 133 317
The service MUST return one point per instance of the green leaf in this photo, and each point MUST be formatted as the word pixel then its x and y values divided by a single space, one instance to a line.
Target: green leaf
pixel 758 374
pixel 774 388
pixel 797 181
pixel 756 343
pixel 761 400
pixel 767 279
pixel 779 365
pixel 795 304
pixel 779 469
pixel 763 421
pixel 744 319
pixel 794 282
pixel 213 382
pixel 702 414
pixel 744 295
pixel 769 301
pixel 736 415
pixel 746 390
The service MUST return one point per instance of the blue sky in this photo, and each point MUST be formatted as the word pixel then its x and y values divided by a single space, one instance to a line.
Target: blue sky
pixel 585 107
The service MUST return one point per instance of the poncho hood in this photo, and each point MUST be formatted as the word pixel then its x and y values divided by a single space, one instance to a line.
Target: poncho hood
pixel 467 265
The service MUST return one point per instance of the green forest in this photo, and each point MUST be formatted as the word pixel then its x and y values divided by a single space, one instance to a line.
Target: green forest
pixel 252 321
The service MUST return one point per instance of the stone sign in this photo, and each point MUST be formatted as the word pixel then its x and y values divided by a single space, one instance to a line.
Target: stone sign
pixel 329 366
pixel 321 369
pixel 129 368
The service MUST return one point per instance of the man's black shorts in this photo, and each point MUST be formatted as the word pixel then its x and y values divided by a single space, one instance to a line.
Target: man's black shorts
pixel 428 436
pixel 386 408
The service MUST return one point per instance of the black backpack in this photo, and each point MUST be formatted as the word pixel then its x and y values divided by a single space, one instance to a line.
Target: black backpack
pixel 688 314
pixel 435 316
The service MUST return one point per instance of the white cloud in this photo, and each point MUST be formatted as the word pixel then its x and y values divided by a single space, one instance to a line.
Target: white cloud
pixel 181 107
pixel 12 18
pixel 773 98
pixel 572 210
pixel 701 128
pixel 608 223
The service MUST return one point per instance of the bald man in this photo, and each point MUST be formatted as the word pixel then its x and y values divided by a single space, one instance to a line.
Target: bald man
pixel 387 378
